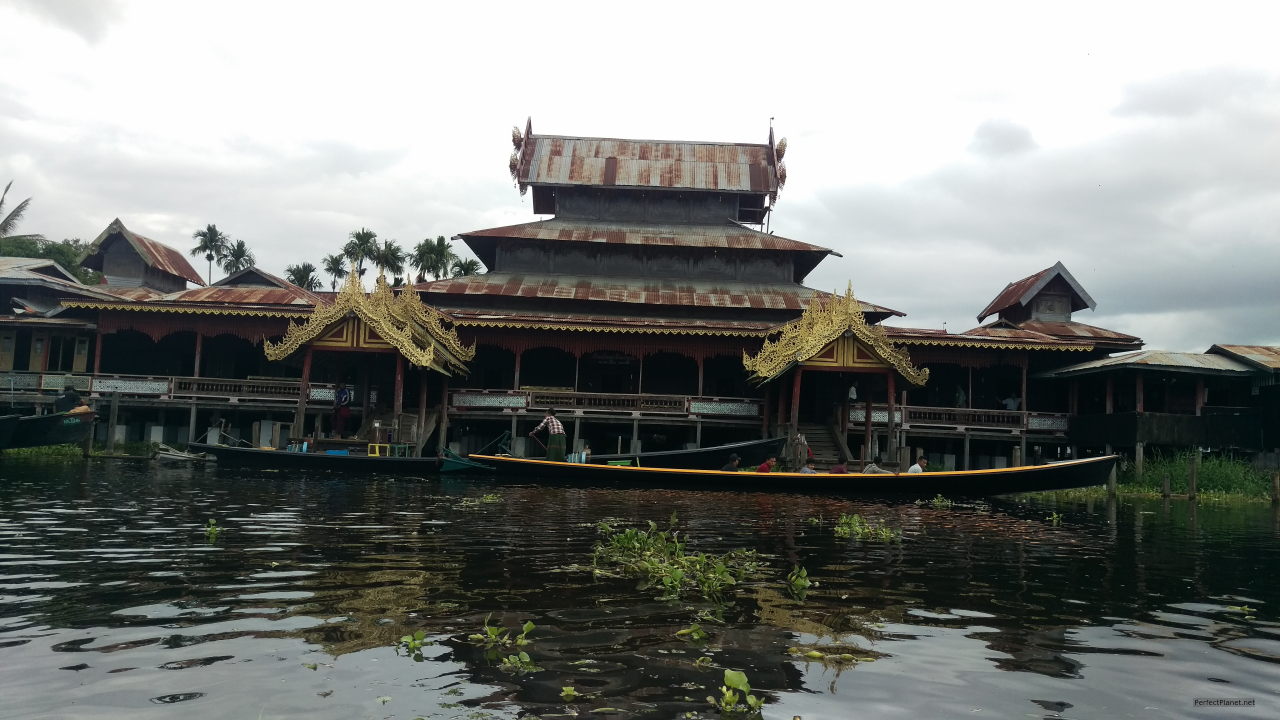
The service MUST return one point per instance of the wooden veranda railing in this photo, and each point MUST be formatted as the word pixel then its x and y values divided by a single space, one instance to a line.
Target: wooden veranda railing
pixel 643 404
pixel 21 386
pixel 916 416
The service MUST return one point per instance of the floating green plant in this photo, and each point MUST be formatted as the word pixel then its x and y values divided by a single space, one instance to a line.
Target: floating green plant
pixel 661 558
pixel 520 663
pixel 412 645
pixel 1055 518
pixel 798 582
pixel 568 694
pixel 211 530
pixel 694 632
pixel 492 636
pixel 941 503
pixel 735 698
pixel 831 654
pixel 856 526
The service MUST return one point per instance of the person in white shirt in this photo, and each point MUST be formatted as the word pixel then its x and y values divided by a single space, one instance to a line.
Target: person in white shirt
pixel 922 464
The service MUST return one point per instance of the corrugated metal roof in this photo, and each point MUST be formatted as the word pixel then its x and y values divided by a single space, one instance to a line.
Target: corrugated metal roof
pixel 1021 291
pixel 687 293
pixel 240 295
pixel 474 317
pixel 154 254
pixel 1160 360
pixel 47 274
pixel 132 293
pixel 993 337
pixel 729 167
pixel 1259 355
pixel 725 235
pixel 1078 330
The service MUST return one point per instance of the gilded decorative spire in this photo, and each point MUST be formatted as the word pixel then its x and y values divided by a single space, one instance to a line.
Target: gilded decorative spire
pixel 825 319
pixel 413 329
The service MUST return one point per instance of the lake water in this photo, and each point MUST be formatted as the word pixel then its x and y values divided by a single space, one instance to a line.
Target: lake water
pixel 114 603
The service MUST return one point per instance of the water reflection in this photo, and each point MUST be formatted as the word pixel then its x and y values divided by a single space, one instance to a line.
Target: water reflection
pixel 113 599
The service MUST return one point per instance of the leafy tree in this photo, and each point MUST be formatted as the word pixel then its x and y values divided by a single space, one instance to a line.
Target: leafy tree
pixel 335 266
pixel 237 258
pixel 303 275
pixel 213 244
pixel 435 257
pixel 9 223
pixel 362 246
pixel 390 257
pixel 469 266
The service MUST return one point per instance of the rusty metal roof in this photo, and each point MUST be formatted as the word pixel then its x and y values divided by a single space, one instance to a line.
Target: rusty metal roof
pixel 1020 292
pixel 132 293
pixel 1068 330
pixel 1262 356
pixel 46 274
pixel 251 286
pixel 995 338
pixel 605 162
pixel 648 291
pixel 154 254
pixel 1195 363
pixel 724 235
pixel 548 319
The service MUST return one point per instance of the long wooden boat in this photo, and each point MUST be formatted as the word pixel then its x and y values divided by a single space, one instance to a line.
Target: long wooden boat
pixel 8 424
pixel 962 483
pixel 52 429
pixel 260 459
pixel 751 453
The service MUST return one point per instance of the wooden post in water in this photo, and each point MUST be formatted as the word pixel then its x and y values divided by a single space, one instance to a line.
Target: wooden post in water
pixel 112 417
pixel 1275 488
pixel 1193 475
pixel 1164 486
pixel 1111 478
pixel 1139 456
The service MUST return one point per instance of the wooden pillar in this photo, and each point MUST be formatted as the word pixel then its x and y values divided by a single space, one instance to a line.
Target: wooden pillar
pixel 966 451
pixel 422 410
pixel 1111 478
pixel 1139 453
pixel 1275 488
pixel 112 417
pixel 969 400
pixel 1193 478
pixel 1110 394
pixel 577 369
pixel 639 376
pixel 1073 398
pixel 97 351
pixel 867 452
pixel 795 404
pixel 782 406
pixel 195 366
pixel 1199 395
pixel 304 391
pixel 1137 390
pixel 444 414
pixel 891 443
pixel 191 424
pixel 515 378
pixel 700 376
pixel 397 403
pixel 768 408
pixel 1026 406
pixel 635 436
pixel 697 433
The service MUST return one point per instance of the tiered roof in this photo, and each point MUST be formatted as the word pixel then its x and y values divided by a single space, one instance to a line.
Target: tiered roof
pixel 156 255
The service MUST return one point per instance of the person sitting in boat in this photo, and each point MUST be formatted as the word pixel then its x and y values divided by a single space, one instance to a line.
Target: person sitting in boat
pixel 922 465
pixel 67 400
pixel 873 467
pixel 809 468
pixel 732 465
pixel 767 465
pixel 555 435
pixel 840 468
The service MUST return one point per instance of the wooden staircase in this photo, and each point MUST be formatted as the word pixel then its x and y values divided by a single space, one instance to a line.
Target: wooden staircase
pixel 825 450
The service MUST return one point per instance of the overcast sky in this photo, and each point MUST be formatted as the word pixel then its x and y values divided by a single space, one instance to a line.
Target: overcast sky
pixel 944 149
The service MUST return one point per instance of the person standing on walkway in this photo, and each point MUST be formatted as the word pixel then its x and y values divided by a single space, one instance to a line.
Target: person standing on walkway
pixel 555 435
pixel 341 410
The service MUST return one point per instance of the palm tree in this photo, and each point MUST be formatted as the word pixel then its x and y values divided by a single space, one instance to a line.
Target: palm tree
pixel 469 266
pixel 303 275
pixel 9 222
pixel 213 245
pixel 237 258
pixel 390 257
pixel 335 266
pixel 433 257
pixel 362 246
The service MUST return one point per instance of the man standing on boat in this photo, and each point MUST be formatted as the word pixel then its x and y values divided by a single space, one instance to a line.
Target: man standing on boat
pixel 555 436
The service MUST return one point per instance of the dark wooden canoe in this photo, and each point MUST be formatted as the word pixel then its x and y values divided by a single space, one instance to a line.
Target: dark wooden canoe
pixel 964 483
pixel 243 457
pixel 52 429
pixel 751 452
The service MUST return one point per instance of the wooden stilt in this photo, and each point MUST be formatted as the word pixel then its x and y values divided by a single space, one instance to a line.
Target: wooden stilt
pixel 1193 478
pixel 112 418
pixel 422 411
pixel 304 391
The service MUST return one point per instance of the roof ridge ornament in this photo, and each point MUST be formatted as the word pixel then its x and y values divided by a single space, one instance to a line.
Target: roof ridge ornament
pixel 825 319
pixel 393 319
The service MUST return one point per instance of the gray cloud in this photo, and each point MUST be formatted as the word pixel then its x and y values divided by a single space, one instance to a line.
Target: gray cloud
pixel 1172 219
pixel 1196 91
pixel 90 19
pixel 999 138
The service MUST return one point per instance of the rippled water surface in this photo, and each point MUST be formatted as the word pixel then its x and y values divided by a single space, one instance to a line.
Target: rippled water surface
pixel 115 603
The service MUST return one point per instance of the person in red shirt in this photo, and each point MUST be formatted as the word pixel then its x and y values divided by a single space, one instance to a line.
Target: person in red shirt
pixel 767 465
